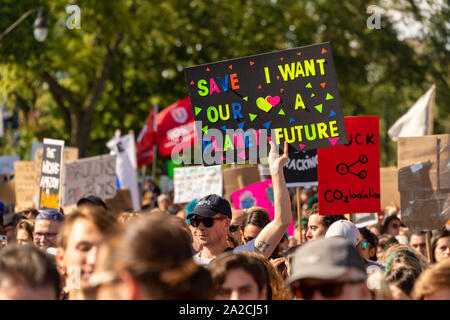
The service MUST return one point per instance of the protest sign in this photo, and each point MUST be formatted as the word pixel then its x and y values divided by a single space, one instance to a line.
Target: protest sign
pixel 25 183
pixel 238 177
pixel 7 164
pixel 49 185
pixel 7 189
pixel 424 181
pixel 349 175
pixel 259 194
pixel 196 182
pixel 389 187
pixel 301 169
pixel 362 220
pixel 121 202
pixel 238 103
pixel 95 176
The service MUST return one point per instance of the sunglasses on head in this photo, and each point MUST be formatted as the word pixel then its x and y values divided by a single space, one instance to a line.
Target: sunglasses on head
pixel 328 290
pixel 207 222
pixel 234 228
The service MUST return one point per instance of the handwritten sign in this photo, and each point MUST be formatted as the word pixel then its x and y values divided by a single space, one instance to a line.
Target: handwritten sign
pixel 95 176
pixel 301 169
pixel 259 194
pixel 349 175
pixel 289 95
pixel 25 182
pixel 49 184
pixel 196 182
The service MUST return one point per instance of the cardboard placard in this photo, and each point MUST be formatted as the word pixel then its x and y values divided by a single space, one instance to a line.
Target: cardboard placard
pixel 349 175
pixel 259 194
pixel 238 177
pixel 238 103
pixel 50 180
pixel 7 195
pixel 301 169
pixel 7 164
pixel 121 202
pixel 362 220
pixel 389 187
pixel 196 182
pixel 424 181
pixel 25 183
pixel 94 176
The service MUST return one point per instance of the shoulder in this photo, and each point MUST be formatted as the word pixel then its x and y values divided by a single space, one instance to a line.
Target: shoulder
pixel 249 246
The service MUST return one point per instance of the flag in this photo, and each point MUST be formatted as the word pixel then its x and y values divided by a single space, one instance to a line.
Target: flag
pixel 418 121
pixel 176 127
pixel 126 164
pixel 146 140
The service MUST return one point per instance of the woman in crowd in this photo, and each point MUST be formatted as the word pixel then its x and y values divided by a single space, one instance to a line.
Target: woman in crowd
pixel 440 246
pixel 24 231
pixel 434 283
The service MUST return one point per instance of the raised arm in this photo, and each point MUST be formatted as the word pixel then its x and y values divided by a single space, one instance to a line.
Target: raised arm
pixel 271 235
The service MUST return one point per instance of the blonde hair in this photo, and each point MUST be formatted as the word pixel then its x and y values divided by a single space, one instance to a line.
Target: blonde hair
pixel 437 276
pixel 126 216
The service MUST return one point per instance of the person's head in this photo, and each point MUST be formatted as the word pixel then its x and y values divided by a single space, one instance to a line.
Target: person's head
pixel 440 246
pixel 163 202
pixel 150 259
pixel 127 216
pixel 10 224
pixel 30 213
pixel 92 201
pixel 345 229
pixel 391 225
pixel 317 224
pixel 384 242
pixel 78 241
pixel 238 276
pixel 417 242
pixel 256 219
pixel 401 281
pixel 46 228
pixel 433 283
pixel 368 244
pixel 328 268
pixel 276 289
pixel 210 220
pixel 27 273
pixel 375 229
pixel 234 238
pixel 399 255
pixel 24 231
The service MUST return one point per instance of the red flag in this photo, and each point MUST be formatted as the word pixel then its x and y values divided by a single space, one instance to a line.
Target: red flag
pixel 176 127
pixel 146 140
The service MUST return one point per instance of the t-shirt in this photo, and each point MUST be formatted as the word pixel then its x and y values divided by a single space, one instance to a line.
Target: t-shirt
pixel 249 246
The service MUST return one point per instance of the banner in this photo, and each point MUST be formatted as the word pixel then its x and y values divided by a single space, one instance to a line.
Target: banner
pixel 196 182
pixel 176 129
pixel 7 163
pixel 259 194
pixel 49 185
pixel 301 169
pixel 291 92
pixel 95 176
pixel 25 183
pixel 126 164
pixel 349 175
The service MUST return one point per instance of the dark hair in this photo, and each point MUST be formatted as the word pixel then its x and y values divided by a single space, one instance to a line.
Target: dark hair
pixel 156 250
pixel 256 216
pixel 441 234
pixel 370 238
pixel 387 221
pixel 403 277
pixel 92 200
pixel 29 266
pixel 227 261
pixel 327 221
pixel 386 240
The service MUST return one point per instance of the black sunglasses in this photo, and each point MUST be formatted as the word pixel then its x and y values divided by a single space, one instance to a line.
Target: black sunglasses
pixel 234 228
pixel 207 222
pixel 327 290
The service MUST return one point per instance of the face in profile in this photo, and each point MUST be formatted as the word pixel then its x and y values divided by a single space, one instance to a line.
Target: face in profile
pixel 442 250
pixel 240 285
pixel 315 227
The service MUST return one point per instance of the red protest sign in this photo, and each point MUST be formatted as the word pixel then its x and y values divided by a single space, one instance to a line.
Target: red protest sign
pixel 349 175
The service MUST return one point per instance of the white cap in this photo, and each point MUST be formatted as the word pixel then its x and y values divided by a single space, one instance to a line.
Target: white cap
pixel 344 229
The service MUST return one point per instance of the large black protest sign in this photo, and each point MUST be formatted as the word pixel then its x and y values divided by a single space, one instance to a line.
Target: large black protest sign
pixel 49 184
pixel 289 95
pixel 301 168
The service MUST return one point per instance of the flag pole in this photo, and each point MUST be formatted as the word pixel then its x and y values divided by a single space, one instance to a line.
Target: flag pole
pixel 155 128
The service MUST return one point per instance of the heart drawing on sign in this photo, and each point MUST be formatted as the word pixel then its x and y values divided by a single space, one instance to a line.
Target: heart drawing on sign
pixel 267 103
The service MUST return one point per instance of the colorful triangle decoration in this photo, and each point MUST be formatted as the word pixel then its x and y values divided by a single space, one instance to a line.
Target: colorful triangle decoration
pixel 224 128
pixel 333 141
pixel 205 129
pixel 302 146
pixel 241 125
pixel 291 120
pixel 281 112
pixel 319 108
pixel 332 113
pixel 197 110
pixel 323 84
pixel 309 85
pixel 245 98
pixel 252 116
pixel 267 124
pixel 329 97
pixel 312 95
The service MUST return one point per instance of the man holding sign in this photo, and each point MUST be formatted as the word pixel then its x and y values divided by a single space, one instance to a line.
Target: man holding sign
pixel 212 215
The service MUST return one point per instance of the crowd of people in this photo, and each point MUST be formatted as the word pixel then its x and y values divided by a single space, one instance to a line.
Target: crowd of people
pixel 207 250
